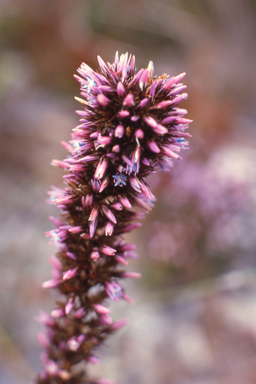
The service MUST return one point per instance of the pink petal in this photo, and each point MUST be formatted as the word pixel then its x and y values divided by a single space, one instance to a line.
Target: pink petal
pixel 143 102
pixel 102 64
pixel 56 313
pixel 101 168
pixel 106 319
pixel 73 344
pixel 125 202
pixel 136 77
pixel 43 340
pixel 181 120
pixel 178 78
pixel 127 161
pixel 71 255
pixel 45 319
pixel 168 152
pixel 67 146
pixel 92 227
pixel 119 324
pixel 109 251
pixel 117 206
pixel 139 134
pixel 99 308
pixel 168 119
pixel 93 214
pixel 55 263
pixel 69 306
pixel 69 274
pixel 152 90
pixel 130 227
pixel 51 283
pixel 120 89
pixel 55 221
pixel 95 255
pixel 177 90
pixel 103 140
pixel 109 214
pixel 76 229
pixel 153 146
pixel 129 100
pixel 104 184
pixel 60 163
pixel 146 191
pixel 121 260
pixel 179 98
pixel 93 359
pixel 135 184
pixel 164 104
pixel 109 228
pixel 128 247
pixel 144 78
pixel 116 148
pixel 80 313
pixel 88 200
pixel 133 275
pixel 119 131
pixel 132 63
pixel 150 121
pixel 128 299
pixel 147 205
pixel 124 114
pixel 160 129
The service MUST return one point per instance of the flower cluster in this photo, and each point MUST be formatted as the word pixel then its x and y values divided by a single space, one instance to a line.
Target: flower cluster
pixel 130 127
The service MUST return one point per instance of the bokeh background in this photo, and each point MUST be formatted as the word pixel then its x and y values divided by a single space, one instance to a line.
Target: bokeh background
pixel 194 321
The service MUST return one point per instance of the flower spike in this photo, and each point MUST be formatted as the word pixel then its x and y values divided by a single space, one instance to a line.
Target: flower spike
pixel 130 127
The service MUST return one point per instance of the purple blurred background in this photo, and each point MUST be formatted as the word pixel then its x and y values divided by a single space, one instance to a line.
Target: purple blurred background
pixel 194 321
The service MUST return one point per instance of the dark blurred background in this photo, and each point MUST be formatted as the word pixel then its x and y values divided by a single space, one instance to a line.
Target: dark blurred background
pixel 194 321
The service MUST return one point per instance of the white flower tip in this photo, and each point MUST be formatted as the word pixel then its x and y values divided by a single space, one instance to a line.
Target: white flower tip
pixel 80 100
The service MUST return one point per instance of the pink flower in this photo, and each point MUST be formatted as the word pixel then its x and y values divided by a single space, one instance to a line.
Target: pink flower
pixel 130 126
